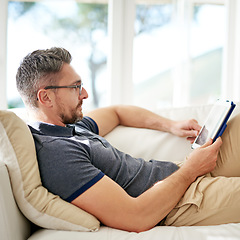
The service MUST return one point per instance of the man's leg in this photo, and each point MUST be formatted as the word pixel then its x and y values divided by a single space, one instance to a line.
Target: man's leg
pixel 215 198
pixel 208 201
pixel 228 163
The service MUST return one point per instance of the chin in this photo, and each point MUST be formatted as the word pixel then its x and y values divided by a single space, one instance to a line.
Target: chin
pixel 79 118
pixel 74 118
pixel 79 115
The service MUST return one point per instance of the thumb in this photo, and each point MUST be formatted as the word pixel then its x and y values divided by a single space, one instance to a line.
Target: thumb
pixel 207 143
pixel 217 144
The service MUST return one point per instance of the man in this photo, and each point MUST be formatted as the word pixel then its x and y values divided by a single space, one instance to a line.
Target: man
pixel 79 165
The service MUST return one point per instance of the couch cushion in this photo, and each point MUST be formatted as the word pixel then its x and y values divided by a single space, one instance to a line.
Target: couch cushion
pixel 151 144
pixel 41 207
pixel 10 216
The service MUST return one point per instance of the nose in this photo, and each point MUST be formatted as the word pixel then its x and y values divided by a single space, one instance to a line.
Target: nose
pixel 84 94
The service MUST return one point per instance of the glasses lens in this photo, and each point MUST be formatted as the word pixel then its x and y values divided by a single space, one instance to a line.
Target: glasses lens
pixel 80 89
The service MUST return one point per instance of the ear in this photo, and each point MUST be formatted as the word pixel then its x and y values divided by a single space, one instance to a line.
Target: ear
pixel 44 98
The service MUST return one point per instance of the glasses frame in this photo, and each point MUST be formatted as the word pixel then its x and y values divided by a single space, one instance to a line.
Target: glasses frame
pixel 70 86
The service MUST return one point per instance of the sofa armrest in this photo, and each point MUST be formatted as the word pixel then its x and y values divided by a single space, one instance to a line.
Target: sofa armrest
pixel 13 225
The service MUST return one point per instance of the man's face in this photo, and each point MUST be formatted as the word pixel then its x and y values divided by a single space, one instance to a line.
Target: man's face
pixel 68 101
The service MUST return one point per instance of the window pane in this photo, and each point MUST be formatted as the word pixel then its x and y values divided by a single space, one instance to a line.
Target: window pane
pixel 79 27
pixel 152 55
pixel 207 40
pixel 177 60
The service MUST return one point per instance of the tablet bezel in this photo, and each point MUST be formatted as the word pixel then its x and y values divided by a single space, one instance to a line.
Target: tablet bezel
pixel 222 121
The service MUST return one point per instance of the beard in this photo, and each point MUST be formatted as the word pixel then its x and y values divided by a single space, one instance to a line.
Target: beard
pixel 75 115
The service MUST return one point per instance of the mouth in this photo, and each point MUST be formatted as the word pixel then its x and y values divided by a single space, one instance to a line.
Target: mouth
pixel 79 106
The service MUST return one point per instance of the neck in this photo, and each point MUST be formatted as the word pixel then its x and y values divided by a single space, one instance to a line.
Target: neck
pixel 41 116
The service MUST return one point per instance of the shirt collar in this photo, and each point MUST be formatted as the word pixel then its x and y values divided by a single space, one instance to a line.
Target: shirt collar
pixel 53 130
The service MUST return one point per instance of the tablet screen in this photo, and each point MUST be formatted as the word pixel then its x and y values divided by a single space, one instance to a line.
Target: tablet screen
pixel 213 123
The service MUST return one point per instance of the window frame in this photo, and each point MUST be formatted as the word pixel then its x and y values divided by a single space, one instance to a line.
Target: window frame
pixel 3 54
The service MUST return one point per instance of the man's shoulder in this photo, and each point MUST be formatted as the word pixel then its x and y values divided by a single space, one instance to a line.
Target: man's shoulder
pixel 50 137
pixel 88 124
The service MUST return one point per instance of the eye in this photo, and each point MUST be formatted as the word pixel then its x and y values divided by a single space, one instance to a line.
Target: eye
pixel 76 88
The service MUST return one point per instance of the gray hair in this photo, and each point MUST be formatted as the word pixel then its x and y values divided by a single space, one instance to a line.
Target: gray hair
pixel 38 69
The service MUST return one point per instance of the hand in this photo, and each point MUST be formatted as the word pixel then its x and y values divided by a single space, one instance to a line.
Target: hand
pixel 203 159
pixel 187 128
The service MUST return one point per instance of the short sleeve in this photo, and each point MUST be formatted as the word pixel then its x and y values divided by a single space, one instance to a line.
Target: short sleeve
pixel 89 124
pixel 67 170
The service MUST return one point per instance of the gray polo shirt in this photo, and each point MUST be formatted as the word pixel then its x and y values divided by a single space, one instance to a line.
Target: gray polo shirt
pixel 72 159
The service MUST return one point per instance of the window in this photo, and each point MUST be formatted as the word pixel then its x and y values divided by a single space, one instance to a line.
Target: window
pixel 151 53
pixel 207 37
pixel 81 28
pixel 177 55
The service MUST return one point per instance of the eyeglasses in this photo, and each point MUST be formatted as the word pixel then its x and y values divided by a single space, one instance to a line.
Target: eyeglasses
pixel 71 86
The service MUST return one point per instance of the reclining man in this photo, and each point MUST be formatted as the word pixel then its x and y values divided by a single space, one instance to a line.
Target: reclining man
pixel 123 192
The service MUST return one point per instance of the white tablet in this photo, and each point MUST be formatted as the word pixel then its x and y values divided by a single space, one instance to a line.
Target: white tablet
pixel 216 122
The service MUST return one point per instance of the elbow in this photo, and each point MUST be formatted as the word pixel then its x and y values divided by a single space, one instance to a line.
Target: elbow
pixel 143 218
pixel 138 220
pixel 134 216
pixel 138 226
pixel 139 229
pixel 143 224
pixel 131 222
pixel 131 227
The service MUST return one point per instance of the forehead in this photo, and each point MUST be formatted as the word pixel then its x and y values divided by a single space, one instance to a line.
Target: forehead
pixel 68 75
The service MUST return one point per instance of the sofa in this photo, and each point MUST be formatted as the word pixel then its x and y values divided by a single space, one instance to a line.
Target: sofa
pixel 20 196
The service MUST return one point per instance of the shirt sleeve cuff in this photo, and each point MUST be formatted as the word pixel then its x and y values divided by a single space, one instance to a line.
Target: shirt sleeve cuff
pixel 85 187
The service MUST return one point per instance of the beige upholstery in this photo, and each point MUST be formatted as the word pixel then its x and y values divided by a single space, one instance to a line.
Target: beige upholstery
pixel 152 145
pixel 17 150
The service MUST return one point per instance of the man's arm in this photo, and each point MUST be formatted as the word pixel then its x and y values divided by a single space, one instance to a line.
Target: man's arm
pixel 115 208
pixel 110 117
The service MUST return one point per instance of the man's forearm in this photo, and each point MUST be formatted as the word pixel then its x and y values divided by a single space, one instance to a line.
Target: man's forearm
pixel 159 200
pixel 110 117
pixel 133 116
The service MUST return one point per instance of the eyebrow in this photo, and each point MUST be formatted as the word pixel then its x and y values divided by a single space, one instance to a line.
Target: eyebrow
pixel 76 82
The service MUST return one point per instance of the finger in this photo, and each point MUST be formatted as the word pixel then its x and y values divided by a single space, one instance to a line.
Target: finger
pixel 217 144
pixel 194 125
pixel 191 139
pixel 207 143
pixel 190 133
